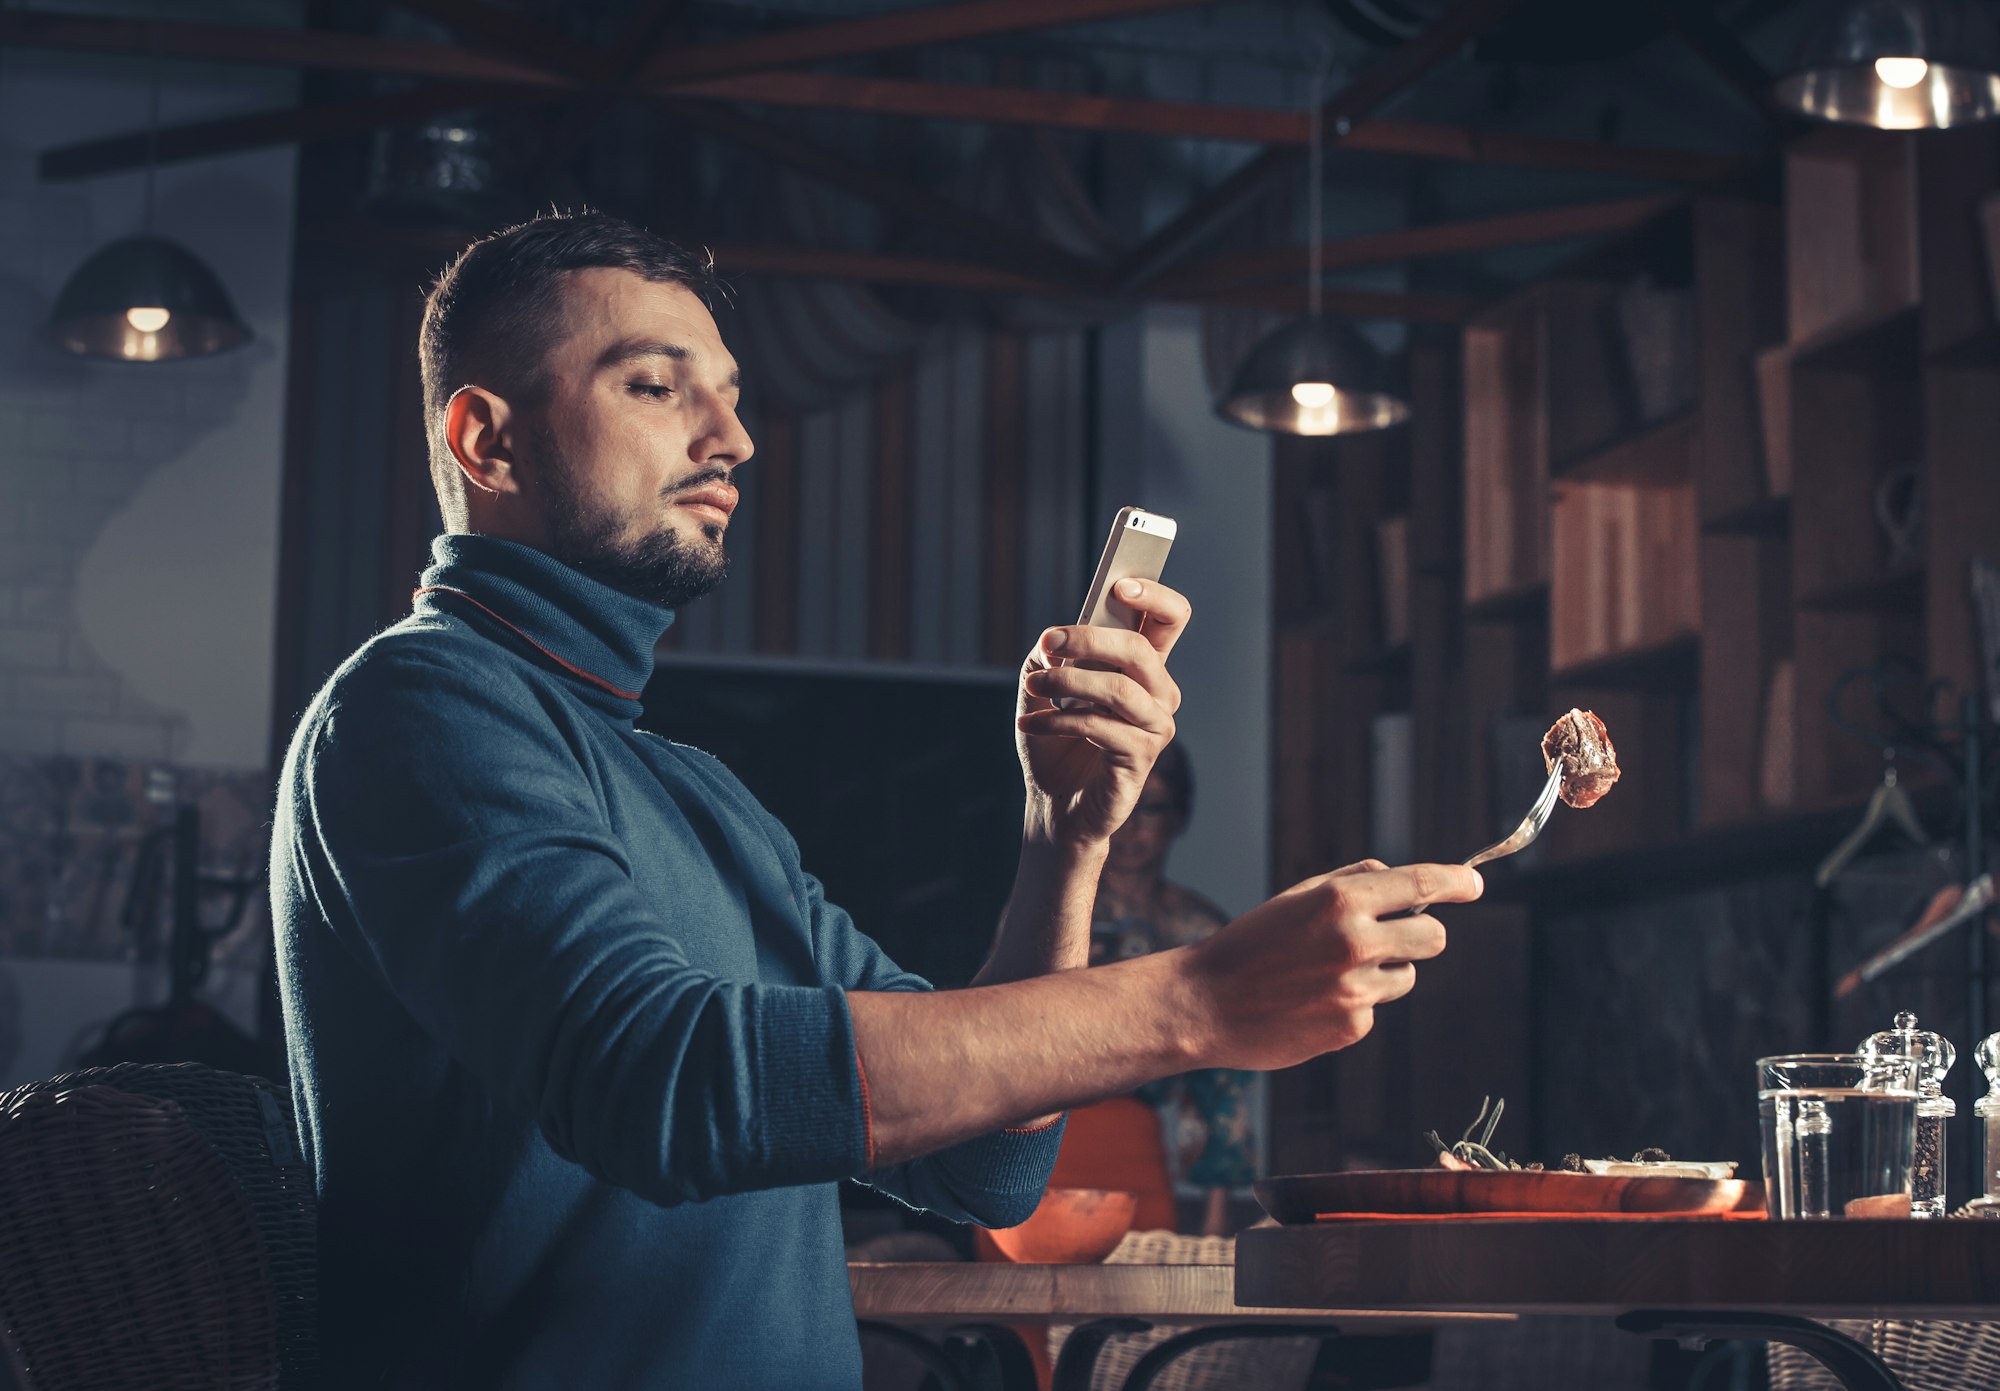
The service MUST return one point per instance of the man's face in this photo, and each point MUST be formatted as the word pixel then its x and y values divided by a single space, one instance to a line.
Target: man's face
pixel 632 449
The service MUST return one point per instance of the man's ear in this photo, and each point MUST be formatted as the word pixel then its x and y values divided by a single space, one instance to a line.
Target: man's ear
pixel 479 430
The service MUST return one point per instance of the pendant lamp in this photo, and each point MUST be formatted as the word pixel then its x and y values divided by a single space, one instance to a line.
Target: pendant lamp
pixel 1314 376
pixel 145 298
pixel 1898 65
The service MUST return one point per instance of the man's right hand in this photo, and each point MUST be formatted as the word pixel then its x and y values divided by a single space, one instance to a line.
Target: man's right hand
pixel 1292 978
pixel 1301 974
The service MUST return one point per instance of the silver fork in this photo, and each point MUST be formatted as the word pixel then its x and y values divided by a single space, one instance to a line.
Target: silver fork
pixel 1530 827
pixel 1531 824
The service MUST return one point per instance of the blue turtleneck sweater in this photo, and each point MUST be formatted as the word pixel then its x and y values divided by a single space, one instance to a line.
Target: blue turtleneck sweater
pixel 568 1023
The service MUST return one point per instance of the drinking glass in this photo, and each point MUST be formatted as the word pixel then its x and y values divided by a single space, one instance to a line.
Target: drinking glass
pixel 1839 1132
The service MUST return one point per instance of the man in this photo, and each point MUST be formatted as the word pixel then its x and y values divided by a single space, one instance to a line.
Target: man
pixel 579 1050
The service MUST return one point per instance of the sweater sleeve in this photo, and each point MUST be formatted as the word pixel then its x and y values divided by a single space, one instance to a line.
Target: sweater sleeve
pixel 456 848
pixel 994 1180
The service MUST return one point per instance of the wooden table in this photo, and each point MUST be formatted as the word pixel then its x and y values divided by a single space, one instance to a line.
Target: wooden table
pixel 1743 1279
pixel 984 1299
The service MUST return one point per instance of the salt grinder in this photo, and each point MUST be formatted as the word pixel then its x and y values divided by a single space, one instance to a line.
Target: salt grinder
pixel 1987 1111
pixel 1934 1055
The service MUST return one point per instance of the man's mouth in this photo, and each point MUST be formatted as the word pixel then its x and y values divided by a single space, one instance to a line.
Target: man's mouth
pixel 712 501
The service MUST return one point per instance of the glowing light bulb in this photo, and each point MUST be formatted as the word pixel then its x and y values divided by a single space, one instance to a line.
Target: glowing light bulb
pixel 1901 73
pixel 147 318
pixel 1313 395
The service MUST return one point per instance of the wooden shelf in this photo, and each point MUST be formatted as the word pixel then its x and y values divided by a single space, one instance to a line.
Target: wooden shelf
pixel 1521 602
pixel 1873 341
pixel 1658 453
pixel 1661 665
pixel 1881 594
pixel 1697 859
pixel 1771 517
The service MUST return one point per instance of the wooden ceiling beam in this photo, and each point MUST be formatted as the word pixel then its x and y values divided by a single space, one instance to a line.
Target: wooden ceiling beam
pixel 1413 243
pixel 814 263
pixel 319 49
pixel 799 262
pixel 1199 121
pixel 1386 79
pixel 1693 22
pixel 284 125
pixel 1423 140
pixel 887 192
pixel 883 33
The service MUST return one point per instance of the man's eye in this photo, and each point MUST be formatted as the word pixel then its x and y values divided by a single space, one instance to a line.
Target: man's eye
pixel 652 389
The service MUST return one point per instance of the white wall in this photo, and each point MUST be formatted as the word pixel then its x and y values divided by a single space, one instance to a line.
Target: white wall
pixel 138 502
pixel 1164 449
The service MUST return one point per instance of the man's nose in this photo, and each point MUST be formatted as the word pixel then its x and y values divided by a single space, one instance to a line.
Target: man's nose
pixel 727 442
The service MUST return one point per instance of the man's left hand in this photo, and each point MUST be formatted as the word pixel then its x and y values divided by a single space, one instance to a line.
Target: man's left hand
pixel 1085 766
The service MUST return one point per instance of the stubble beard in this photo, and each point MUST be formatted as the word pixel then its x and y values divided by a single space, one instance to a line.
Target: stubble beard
pixel 661 567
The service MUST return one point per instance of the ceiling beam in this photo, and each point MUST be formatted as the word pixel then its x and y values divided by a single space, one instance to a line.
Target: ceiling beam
pixel 733 258
pixel 948 101
pixel 883 33
pixel 1198 121
pixel 320 49
pixel 887 191
pixel 1413 243
pixel 652 24
pixel 1387 78
pixel 1693 22
pixel 813 263
pixel 511 35
pixel 257 130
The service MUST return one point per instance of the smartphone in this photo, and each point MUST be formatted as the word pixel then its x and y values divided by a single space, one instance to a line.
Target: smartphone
pixel 1136 549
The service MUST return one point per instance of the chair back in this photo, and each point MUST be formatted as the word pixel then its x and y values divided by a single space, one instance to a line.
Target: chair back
pixel 158 1227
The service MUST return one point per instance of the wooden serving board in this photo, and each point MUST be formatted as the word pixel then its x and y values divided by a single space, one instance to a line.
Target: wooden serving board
pixel 1941 1268
pixel 1302 1198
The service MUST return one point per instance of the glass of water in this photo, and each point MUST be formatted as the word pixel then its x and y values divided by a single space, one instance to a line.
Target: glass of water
pixel 1839 1133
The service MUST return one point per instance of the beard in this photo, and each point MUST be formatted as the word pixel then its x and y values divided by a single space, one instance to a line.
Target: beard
pixel 662 567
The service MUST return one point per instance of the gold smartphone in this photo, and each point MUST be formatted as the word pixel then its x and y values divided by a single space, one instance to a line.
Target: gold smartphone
pixel 1136 549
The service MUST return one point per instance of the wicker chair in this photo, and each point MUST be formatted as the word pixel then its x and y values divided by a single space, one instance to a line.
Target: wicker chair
pixel 158 1227
pixel 1926 1355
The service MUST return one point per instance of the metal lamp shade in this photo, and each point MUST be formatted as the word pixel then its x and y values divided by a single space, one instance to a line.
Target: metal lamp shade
pixel 1326 352
pixel 1957 82
pixel 91 313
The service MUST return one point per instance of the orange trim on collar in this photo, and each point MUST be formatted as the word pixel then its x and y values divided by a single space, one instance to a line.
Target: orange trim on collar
pixel 568 666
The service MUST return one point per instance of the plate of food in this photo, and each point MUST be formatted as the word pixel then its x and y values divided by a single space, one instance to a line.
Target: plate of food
pixel 1472 1179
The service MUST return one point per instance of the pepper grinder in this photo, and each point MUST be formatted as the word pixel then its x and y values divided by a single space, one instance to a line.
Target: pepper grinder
pixel 1934 1055
pixel 1987 1111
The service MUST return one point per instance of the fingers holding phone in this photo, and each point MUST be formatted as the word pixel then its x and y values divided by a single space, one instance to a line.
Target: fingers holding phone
pixel 1096 702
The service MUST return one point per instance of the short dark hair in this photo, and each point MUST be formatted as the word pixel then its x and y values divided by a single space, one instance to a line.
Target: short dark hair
pixel 493 310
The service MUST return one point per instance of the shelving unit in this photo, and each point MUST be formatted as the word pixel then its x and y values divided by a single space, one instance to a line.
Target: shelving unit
pixel 1699 573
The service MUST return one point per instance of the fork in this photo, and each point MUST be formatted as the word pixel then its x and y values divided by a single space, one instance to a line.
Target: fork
pixel 1530 827
pixel 1531 824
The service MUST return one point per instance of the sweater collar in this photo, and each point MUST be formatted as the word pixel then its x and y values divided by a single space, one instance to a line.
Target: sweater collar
pixel 593 633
